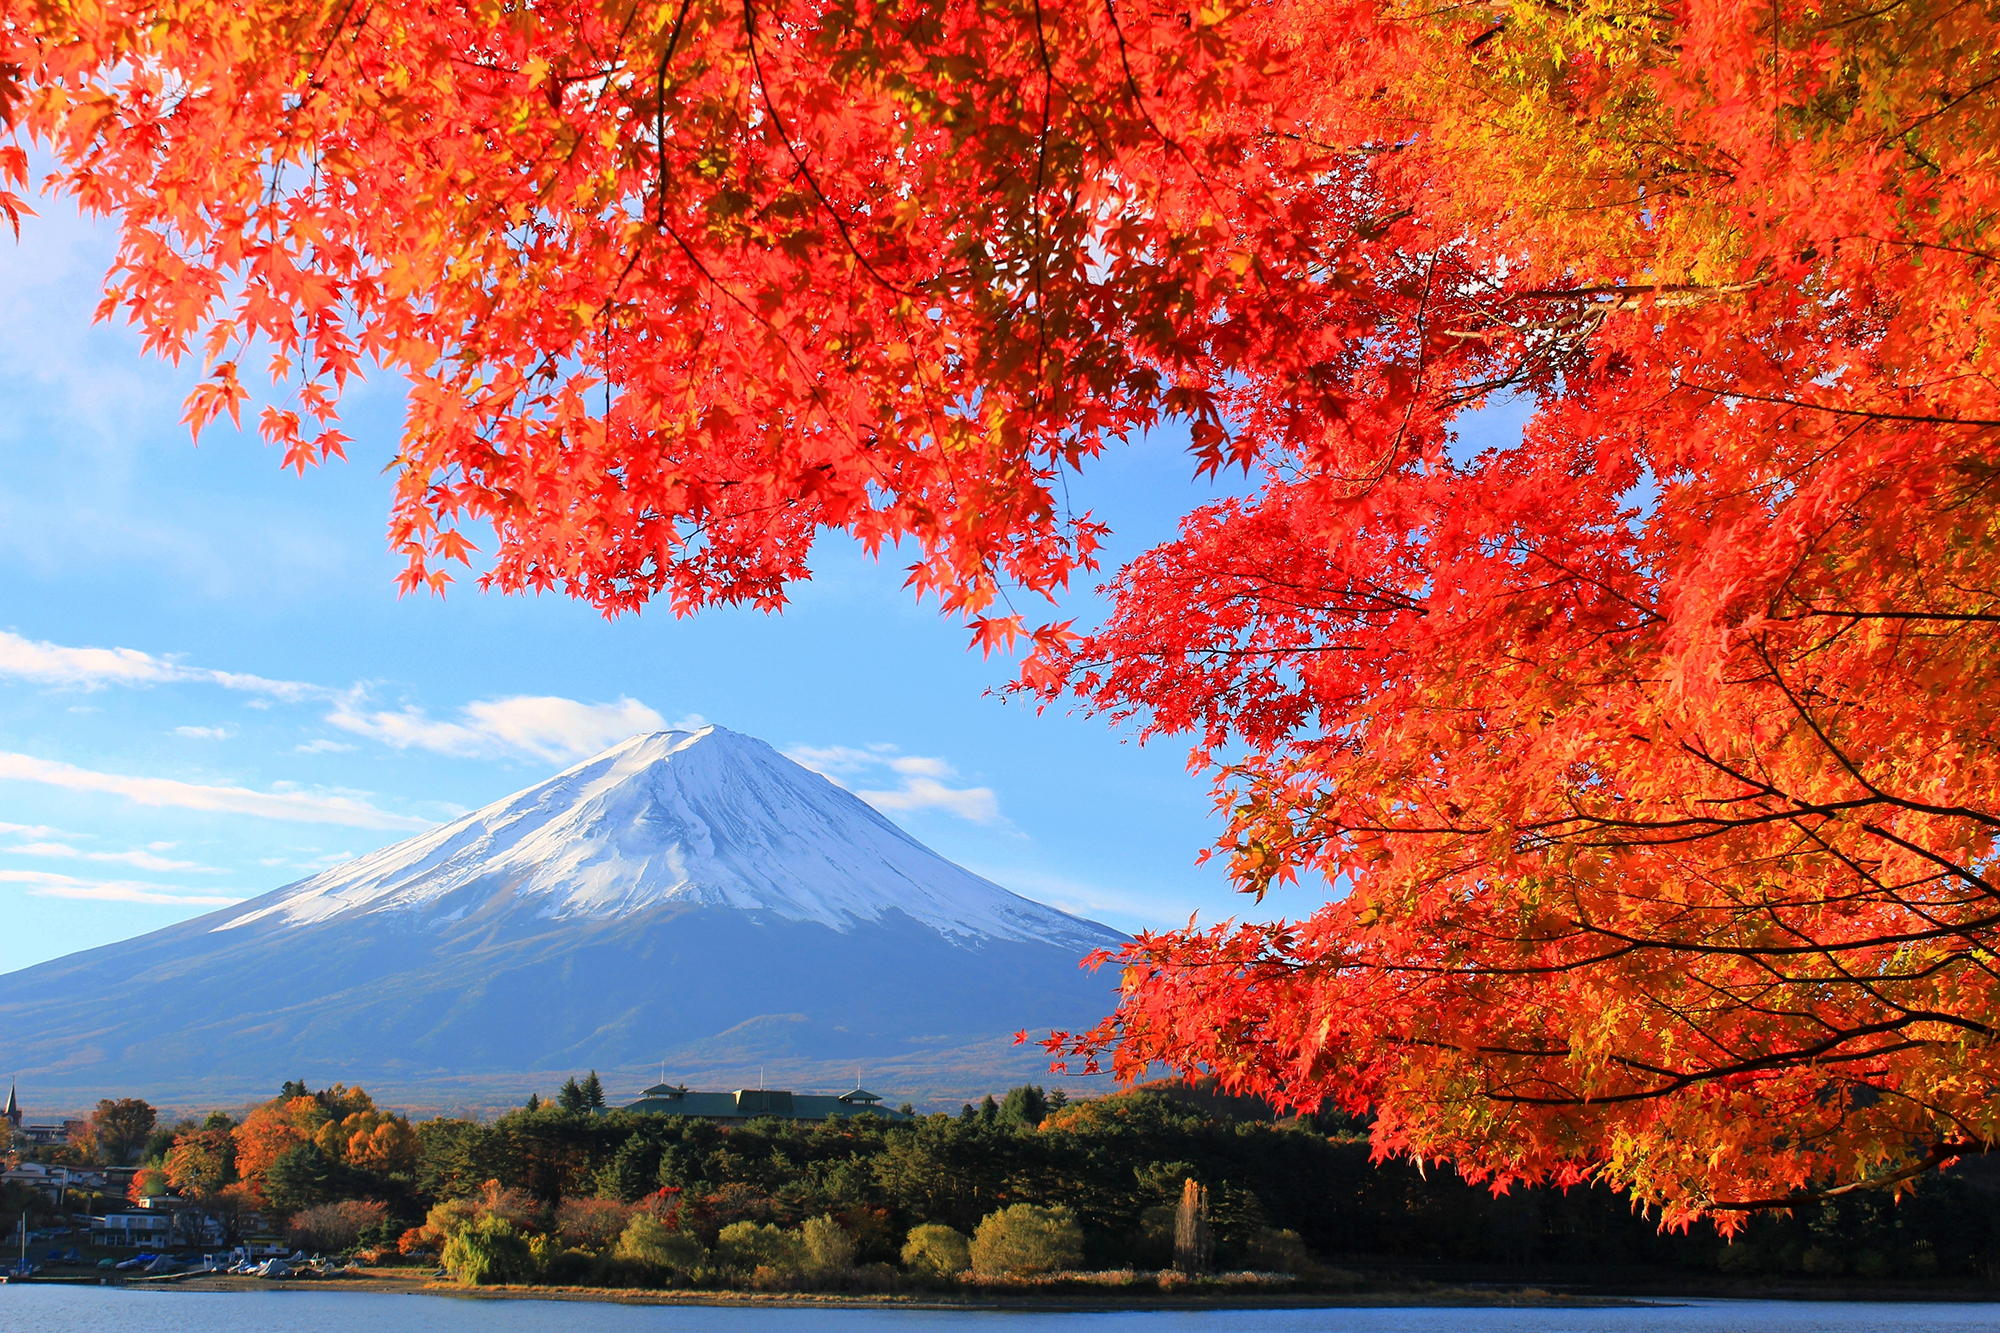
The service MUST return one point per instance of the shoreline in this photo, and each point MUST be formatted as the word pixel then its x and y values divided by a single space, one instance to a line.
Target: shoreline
pixel 1083 1300
pixel 1420 1296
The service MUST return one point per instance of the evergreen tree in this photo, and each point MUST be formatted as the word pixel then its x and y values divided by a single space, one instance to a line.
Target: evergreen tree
pixel 1024 1105
pixel 534 1101
pixel 572 1097
pixel 593 1092
pixel 989 1110
pixel 294 1088
pixel 299 1178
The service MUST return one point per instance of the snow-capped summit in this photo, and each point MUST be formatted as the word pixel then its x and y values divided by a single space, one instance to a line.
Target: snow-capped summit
pixel 702 818
pixel 692 897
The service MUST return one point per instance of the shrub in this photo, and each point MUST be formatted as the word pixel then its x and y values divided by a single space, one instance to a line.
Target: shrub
pixel 591 1224
pixel 335 1228
pixel 934 1251
pixel 647 1240
pixel 552 1261
pixel 1026 1239
pixel 829 1249
pixel 488 1251
pixel 754 1245
pixel 1272 1251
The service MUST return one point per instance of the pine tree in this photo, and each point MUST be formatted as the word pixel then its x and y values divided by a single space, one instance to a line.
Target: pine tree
pixel 1024 1105
pixel 534 1101
pixel 593 1092
pixel 294 1088
pixel 571 1097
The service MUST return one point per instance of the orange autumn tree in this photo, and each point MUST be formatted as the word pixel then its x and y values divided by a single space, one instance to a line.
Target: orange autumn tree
pixel 287 1122
pixel 1650 758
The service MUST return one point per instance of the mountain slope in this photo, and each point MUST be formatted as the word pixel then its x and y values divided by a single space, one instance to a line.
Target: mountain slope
pixel 692 898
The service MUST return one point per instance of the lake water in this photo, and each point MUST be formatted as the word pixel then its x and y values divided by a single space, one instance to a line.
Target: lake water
pixel 37 1309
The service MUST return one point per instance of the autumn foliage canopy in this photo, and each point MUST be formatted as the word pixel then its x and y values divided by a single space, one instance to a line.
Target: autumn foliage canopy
pixel 1651 755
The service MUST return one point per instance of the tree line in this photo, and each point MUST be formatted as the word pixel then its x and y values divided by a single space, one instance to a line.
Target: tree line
pixel 565 1191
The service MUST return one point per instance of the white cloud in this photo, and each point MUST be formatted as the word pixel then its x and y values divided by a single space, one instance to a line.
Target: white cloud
pixel 832 760
pixel 323 746
pixel 142 860
pixel 95 668
pixel 32 830
pixel 296 807
pixel 543 726
pixel 975 803
pixel 42 885
pixel 921 786
pixel 203 733
pixel 1129 909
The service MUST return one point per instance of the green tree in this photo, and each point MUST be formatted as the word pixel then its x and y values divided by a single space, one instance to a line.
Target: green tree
pixel 571 1096
pixel 534 1102
pixel 1023 1238
pixel 299 1178
pixel 754 1245
pixel 1024 1105
pixel 934 1250
pixel 294 1087
pixel 121 1128
pixel 829 1246
pixel 455 1157
pixel 489 1251
pixel 593 1093
pixel 649 1241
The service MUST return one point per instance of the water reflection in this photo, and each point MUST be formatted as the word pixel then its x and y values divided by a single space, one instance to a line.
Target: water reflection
pixel 39 1309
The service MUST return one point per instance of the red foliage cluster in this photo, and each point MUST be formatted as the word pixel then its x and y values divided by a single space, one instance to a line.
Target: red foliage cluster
pixel 1649 760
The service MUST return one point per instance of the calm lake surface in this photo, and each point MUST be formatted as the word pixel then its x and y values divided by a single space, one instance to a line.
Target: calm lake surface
pixel 35 1309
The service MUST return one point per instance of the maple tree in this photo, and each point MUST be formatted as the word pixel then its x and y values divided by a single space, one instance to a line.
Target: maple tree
pixel 1652 754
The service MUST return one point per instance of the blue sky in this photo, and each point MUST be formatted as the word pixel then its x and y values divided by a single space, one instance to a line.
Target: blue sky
pixel 209 687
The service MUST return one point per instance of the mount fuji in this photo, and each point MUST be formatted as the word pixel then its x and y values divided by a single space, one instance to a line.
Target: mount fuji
pixel 688 898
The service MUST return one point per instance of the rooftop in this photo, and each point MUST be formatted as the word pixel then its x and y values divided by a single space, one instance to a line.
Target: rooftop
pixel 751 1103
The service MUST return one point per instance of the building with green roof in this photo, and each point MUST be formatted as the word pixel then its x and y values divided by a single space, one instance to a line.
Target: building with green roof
pixel 747 1104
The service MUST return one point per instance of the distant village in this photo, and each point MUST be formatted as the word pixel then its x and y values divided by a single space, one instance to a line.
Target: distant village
pixel 60 1160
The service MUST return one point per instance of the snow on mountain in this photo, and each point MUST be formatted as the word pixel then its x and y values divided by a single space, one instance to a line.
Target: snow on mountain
pixel 702 818
pixel 688 897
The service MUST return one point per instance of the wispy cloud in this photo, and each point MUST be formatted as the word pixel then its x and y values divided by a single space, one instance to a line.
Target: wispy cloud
pixel 323 745
pixel 922 786
pixel 293 806
pixel 95 668
pixel 977 804
pixel 32 830
pixel 1125 907
pixel 203 733
pixel 142 860
pixel 543 726
pixel 44 885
